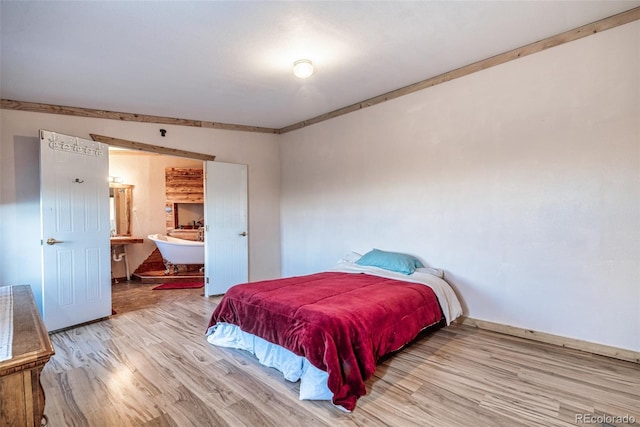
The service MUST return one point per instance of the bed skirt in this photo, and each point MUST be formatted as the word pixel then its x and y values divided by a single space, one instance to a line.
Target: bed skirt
pixel 313 381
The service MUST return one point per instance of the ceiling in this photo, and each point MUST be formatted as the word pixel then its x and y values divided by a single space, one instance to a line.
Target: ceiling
pixel 230 61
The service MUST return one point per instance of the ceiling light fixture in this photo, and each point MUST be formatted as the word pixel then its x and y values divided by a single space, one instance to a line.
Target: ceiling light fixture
pixel 303 68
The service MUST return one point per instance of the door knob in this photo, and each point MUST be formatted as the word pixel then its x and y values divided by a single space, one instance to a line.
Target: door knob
pixel 243 234
pixel 52 241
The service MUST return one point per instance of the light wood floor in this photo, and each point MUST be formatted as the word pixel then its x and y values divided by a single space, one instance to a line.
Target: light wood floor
pixel 150 365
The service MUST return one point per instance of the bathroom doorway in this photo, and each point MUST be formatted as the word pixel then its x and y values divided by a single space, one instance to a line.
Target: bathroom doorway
pixel 146 172
pixel 145 214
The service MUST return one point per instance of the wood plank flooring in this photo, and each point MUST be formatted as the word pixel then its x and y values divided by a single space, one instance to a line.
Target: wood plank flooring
pixel 150 365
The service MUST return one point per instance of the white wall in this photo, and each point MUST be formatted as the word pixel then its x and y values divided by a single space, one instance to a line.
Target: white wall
pixel 521 181
pixel 19 183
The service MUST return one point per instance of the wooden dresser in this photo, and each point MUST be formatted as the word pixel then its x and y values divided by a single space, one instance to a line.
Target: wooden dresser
pixel 21 395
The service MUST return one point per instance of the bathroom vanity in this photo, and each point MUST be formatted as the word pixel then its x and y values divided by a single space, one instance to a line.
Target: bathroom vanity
pixel 122 242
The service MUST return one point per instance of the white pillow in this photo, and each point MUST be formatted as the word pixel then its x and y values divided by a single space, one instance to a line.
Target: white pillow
pixel 351 257
pixel 433 271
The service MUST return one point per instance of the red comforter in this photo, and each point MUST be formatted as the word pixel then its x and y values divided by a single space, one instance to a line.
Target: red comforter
pixel 343 323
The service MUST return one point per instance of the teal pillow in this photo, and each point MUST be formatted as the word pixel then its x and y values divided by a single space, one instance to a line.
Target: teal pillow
pixel 393 261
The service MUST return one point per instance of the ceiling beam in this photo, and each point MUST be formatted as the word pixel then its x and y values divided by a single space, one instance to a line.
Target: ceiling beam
pixel 36 107
pixel 140 146
pixel 568 36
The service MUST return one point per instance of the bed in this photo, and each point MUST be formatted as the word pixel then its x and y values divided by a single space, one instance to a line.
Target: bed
pixel 330 329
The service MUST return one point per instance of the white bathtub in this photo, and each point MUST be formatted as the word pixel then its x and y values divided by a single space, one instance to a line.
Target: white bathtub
pixel 178 251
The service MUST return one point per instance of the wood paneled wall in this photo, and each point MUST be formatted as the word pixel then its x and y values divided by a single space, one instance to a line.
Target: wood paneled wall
pixel 182 185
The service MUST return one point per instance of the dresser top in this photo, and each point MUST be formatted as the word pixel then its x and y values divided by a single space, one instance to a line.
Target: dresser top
pixel 31 343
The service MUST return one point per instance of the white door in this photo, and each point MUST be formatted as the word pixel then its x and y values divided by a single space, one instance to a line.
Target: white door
pixel 74 203
pixel 226 233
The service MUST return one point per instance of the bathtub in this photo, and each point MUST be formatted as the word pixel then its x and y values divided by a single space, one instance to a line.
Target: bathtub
pixel 178 251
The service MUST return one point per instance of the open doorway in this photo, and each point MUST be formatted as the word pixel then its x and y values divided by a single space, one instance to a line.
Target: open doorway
pixel 173 199
pixel 151 207
pixel 74 185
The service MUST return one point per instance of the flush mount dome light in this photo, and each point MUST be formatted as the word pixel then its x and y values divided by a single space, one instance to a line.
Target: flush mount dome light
pixel 302 68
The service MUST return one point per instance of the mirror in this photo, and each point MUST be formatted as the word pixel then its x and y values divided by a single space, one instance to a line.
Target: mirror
pixel 120 203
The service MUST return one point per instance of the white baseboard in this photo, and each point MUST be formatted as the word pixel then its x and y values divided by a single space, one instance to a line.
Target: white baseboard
pixel 600 349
